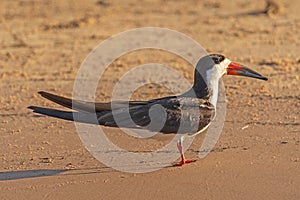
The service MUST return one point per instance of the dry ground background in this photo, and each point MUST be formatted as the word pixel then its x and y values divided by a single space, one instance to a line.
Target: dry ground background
pixel 42 46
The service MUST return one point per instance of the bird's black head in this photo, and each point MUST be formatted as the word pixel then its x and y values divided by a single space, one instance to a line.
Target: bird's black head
pixel 217 58
pixel 205 64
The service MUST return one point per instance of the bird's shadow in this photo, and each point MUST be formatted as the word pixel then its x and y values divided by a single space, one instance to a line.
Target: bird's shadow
pixel 25 174
pixel 14 175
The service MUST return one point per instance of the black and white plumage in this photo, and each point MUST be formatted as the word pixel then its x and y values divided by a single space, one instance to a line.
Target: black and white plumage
pixel 186 114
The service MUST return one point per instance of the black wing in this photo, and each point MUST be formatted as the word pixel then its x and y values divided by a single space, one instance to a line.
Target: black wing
pixel 170 115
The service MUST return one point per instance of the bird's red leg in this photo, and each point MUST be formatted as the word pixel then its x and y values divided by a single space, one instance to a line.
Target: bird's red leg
pixel 183 160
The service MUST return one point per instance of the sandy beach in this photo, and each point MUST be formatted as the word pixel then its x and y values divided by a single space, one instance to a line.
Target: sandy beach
pixel 43 44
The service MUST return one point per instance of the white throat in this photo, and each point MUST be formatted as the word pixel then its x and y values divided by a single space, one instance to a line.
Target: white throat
pixel 213 76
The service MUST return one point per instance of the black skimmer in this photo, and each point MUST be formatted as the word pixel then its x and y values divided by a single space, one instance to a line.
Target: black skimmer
pixel 188 114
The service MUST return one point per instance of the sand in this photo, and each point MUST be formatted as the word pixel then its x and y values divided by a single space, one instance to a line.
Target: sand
pixel 43 44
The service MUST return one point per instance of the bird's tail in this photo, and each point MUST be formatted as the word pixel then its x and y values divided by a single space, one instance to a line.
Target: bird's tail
pixel 89 106
pixel 76 104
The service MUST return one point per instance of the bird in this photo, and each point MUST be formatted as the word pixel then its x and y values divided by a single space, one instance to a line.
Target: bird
pixel 188 114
